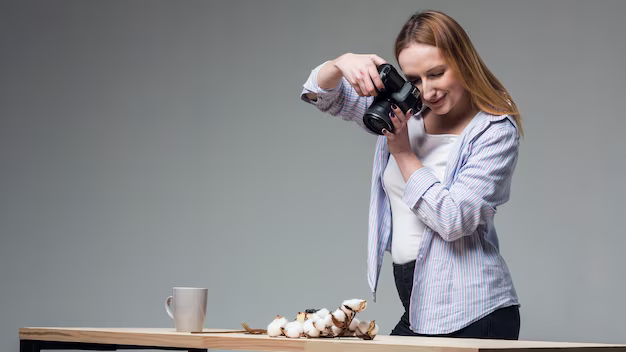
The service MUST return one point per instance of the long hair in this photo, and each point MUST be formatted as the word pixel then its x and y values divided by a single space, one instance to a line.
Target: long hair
pixel 442 31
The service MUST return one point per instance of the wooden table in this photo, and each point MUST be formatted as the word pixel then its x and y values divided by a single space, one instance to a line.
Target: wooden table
pixel 37 339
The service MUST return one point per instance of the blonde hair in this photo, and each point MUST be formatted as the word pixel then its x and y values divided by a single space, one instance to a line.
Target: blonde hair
pixel 442 31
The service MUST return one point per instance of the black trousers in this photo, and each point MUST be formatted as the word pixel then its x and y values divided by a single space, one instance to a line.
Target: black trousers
pixel 504 323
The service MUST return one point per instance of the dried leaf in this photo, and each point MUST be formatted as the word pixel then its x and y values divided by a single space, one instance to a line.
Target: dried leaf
pixel 253 331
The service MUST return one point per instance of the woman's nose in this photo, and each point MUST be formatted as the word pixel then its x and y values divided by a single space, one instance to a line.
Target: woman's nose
pixel 427 91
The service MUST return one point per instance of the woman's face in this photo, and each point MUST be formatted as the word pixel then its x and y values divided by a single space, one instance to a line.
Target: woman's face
pixel 425 67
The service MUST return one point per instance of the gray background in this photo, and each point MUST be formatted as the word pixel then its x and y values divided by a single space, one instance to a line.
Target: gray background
pixel 151 144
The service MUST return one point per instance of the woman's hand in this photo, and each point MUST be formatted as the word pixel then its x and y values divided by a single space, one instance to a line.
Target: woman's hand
pixel 398 141
pixel 360 70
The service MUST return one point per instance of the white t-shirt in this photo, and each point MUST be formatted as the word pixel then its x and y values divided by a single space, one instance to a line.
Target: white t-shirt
pixel 407 228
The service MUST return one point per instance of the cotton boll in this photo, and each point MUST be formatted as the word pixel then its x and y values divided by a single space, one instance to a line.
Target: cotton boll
pixel 328 320
pixel 310 330
pixel 274 330
pixel 339 318
pixel 375 330
pixel 294 325
pixel 293 329
pixel 308 326
pixel 368 329
pixel 281 321
pixel 336 330
pixel 354 324
pixel 372 333
pixel 354 305
pixel 346 307
pixel 362 327
pixel 315 317
pixel 292 332
pixel 320 324
pixel 340 315
pixel 322 313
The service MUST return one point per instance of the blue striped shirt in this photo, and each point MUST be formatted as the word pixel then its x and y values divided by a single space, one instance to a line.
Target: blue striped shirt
pixel 460 276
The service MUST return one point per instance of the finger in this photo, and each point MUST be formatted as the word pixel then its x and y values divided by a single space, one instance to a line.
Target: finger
pixel 395 121
pixel 356 87
pixel 354 83
pixel 408 114
pixel 369 85
pixel 404 117
pixel 363 87
pixel 378 60
pixel 396 110
pixel 387 133
pixel 373 71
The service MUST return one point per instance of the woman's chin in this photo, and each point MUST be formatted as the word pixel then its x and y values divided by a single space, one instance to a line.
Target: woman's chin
pixel 440 110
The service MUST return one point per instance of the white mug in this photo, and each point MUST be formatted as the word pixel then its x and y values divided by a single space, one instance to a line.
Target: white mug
pixel 187 307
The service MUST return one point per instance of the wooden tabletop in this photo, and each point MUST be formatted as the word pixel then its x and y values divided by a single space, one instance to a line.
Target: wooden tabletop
pixel 213 339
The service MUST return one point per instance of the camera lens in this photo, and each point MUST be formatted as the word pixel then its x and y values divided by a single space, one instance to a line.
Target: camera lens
pixel 378 124
pixel 376 118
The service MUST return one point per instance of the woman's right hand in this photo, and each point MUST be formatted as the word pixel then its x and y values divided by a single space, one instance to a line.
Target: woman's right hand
pixel 360 70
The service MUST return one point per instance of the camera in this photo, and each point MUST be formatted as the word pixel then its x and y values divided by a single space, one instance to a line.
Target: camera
pixel 397 91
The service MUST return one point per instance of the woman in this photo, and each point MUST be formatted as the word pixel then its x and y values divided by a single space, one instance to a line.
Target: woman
pixel 437 179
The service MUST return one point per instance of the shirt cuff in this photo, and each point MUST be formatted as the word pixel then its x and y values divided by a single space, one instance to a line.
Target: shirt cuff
pixel 417 185
pixel 310 86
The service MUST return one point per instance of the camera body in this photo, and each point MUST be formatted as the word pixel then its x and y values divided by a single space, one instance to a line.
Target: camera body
pixel 397 91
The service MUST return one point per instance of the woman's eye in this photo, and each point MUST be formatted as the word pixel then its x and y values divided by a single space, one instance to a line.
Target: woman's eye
pixel 437 74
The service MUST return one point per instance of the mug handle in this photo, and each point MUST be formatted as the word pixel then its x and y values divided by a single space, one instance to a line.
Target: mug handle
pixel 168 309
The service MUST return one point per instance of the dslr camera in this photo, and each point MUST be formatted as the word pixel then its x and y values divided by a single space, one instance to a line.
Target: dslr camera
pixel 398 91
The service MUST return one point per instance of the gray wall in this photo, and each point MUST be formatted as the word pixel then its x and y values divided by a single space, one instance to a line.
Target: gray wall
pixel 149 144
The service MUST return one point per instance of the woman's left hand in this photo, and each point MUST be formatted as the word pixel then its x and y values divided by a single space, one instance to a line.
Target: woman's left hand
pixel 398 141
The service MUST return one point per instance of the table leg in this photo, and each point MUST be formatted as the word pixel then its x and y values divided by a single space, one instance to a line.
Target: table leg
pixel 29 346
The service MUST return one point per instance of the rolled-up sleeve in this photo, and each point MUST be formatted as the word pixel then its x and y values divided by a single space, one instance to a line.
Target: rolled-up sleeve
pixel 482 184
pixel 325 97
pixel 341 101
